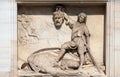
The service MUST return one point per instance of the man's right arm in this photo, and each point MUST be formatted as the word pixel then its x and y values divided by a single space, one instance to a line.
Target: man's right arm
pixel 69 21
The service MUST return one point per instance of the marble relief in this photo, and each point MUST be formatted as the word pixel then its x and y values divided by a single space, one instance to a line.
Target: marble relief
pixel 60 42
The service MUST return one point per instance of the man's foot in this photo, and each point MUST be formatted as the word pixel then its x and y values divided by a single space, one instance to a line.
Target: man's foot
pixel 80 67
pixel 82 72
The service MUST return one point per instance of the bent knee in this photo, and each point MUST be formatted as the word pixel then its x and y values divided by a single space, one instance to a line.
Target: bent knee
pixel 65 45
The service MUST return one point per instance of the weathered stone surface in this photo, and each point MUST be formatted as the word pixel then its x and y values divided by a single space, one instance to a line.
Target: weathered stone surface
pixel 117 73
pixel 50 37
pixel 36 30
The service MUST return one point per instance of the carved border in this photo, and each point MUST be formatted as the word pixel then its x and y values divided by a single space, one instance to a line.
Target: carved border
pixel 22 1
pixel 109 41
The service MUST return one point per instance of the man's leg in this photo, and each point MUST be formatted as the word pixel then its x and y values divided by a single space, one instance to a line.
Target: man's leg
pixel 63 50
pixel 82 57
pixel 62 53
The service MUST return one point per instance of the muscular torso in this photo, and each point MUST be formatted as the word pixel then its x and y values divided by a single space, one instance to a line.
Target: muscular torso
pixel 78 32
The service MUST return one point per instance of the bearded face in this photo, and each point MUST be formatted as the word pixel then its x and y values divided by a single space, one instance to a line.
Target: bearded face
pixel 58 20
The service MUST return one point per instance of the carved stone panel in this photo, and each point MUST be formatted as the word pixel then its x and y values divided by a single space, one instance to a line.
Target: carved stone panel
pixel 39 42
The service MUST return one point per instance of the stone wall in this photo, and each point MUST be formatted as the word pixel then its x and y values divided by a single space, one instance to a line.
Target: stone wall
pixel 117 38
pixel 9 28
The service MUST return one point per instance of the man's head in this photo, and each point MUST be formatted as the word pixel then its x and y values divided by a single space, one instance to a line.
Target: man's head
pixel 82 17
pixel 58 19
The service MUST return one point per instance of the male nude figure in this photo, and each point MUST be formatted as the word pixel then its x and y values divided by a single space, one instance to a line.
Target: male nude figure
pixel 79 38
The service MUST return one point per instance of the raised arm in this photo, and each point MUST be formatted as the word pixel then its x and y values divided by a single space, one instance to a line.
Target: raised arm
pixel 69 22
